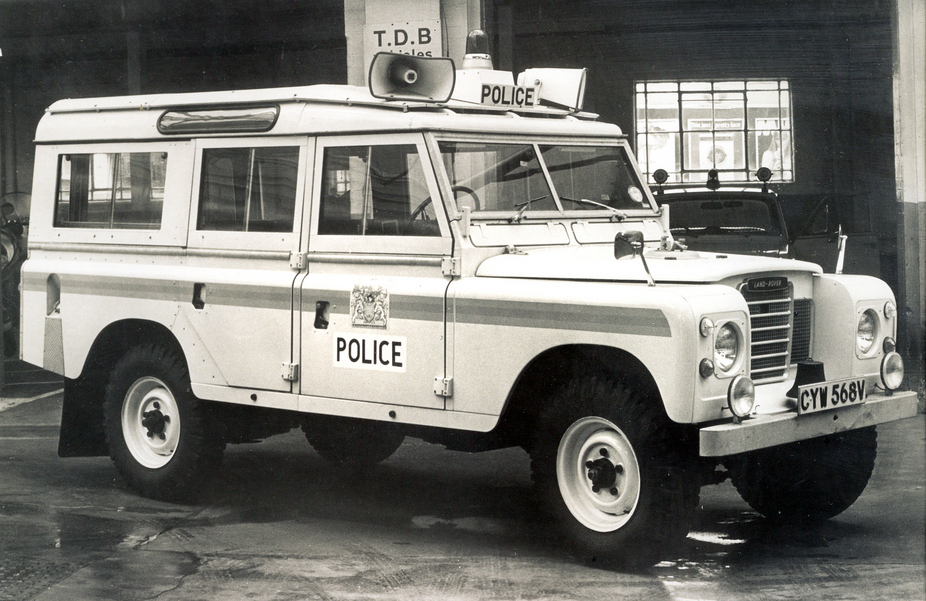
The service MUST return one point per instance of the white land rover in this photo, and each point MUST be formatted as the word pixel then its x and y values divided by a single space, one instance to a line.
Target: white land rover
pixel 451 255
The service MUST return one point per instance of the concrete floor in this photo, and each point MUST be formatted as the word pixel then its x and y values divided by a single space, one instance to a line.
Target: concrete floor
pixel 280 523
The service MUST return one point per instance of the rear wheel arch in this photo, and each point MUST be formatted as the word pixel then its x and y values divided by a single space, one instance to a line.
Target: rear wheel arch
pixel 82 432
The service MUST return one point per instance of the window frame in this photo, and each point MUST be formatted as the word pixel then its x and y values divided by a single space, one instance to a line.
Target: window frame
pixel 373 244
pixel 175 208
pixel 251 240
pixel 777 127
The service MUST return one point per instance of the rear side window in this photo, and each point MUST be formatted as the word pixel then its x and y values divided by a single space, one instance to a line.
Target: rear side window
pixel 111 190
pixel 248 189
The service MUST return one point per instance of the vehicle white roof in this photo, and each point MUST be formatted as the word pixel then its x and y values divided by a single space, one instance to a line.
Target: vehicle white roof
pixel 317 109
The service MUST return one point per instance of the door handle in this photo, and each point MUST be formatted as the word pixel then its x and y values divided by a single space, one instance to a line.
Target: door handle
pixel 199 296
pixel 322 314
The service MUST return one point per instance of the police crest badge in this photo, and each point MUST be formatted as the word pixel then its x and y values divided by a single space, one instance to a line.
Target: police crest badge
pixel 369 306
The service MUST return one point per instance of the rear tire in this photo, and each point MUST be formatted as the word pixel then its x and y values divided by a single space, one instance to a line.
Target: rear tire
pixel 616 474
pixel 156 429
pixel 810 480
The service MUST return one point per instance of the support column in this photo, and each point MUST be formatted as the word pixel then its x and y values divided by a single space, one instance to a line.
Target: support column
pixel 910 160
pixel 133 61
pixel 8 167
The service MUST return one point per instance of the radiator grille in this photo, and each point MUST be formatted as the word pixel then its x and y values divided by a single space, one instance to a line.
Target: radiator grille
pixel 803 326
pixel 770 316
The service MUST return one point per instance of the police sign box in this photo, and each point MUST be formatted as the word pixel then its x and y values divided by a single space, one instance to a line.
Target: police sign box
pixel 504 95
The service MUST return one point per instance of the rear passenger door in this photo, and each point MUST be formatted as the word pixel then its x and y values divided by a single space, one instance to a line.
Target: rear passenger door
pixel 373 300
pixel 244 227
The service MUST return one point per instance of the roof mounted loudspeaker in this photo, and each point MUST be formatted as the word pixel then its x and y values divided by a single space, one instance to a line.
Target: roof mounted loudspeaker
pixel 418 78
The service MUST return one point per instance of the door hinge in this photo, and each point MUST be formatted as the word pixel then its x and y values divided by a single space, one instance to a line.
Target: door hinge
pixel 450 266
pixel 298 260
pixel 443 386
pixel 291 372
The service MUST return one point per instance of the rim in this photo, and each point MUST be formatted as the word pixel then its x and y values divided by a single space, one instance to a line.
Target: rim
pixel 598 474
pixel 150 422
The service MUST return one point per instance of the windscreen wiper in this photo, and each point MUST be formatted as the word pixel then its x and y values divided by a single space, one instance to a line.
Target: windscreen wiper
pixel 584 201
pixel 522 207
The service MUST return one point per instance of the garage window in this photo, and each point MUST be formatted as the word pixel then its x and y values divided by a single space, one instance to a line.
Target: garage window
pixel 735 127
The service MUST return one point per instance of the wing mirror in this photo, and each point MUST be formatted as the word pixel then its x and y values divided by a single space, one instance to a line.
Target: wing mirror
pixel 628 244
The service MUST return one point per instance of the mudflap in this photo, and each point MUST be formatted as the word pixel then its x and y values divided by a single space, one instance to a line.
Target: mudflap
pixel 82 433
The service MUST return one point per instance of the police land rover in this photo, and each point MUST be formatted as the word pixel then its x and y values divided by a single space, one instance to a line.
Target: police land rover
pixel 454 255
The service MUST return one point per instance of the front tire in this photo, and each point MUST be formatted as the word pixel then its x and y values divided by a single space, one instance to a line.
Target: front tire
pixel 615 472
pixel 156 429
pixel 809 480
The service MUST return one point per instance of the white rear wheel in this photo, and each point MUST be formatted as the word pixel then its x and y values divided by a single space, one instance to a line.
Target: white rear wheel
pixel 150 422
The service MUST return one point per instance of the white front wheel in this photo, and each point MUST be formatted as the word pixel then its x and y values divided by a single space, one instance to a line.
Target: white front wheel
pixel 598 474
pixel 614 471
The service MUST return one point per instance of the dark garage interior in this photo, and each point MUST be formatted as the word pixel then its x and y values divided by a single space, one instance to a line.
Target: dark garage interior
pixel 838 58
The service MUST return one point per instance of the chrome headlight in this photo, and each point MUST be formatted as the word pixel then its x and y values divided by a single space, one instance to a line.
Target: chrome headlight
pixel 892 371
pixel 866 331
pixel 726 346
pixel 741 396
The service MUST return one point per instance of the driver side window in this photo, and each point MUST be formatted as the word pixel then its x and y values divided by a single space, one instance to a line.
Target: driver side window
pixel 375 191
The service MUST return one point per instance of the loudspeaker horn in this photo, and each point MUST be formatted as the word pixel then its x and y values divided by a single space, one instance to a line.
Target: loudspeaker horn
pixel 404 77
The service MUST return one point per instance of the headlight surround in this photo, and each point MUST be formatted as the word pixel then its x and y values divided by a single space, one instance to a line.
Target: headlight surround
pixel 866 331
pixel 727 346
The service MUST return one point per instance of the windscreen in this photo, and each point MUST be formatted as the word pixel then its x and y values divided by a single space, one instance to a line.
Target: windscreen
pixel 518 177
pixel 722 216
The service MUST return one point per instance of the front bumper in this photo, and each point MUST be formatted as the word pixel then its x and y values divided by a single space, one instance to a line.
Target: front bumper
pixel 781 428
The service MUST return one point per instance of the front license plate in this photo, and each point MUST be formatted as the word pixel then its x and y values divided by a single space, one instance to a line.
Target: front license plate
pixel 831 395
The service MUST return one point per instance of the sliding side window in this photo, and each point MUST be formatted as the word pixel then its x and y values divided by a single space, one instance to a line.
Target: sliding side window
pixel 111 190
pixel 248 189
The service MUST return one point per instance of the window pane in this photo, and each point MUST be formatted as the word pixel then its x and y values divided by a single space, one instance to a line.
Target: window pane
pixel 376 191
pixel 693 86
pixel 248 189
pixel 662 87
pixel 728 85
pixel 502 176
pixel 140 190
pixel 598 173
pixel 122 190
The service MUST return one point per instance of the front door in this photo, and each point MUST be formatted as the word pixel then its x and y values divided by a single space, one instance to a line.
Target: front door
pixel 373 301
